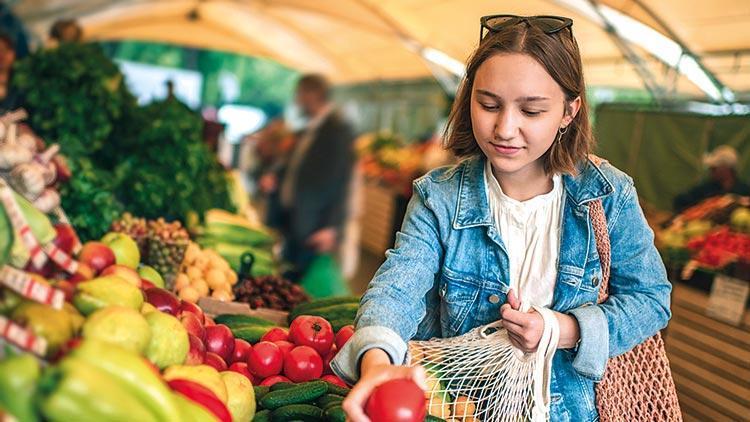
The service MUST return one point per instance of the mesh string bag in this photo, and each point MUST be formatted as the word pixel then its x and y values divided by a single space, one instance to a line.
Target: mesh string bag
pixel 481 376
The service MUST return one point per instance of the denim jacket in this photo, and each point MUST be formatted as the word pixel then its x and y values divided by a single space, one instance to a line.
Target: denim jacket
pixel 448 273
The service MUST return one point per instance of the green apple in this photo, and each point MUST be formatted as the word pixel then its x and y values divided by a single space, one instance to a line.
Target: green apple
pixel 125 249
pixel 169 342
pixel 240 396
pixel 204 375
pixel 119 325
pixel 149 273
pixel 147 307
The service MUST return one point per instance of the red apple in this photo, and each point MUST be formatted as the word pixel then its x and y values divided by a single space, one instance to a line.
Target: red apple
pixel 126 273
pixel 212 359
pixel 241 348
pixel 193 325
pixel 85 272
pixel 219 340
pixel 197 352
pixel 186 306
pixel 145 284
pixel 241 368
pixel 66 238
pixel 163 300
pixel 276 334
pixel 97 255
pixel 285 346
pixel 209 321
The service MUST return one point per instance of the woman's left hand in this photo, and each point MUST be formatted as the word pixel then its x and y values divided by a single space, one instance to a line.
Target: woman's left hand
pixel 524 328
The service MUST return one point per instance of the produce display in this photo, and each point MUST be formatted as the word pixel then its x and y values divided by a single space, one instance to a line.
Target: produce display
pixel 233 236
pixel 340 311
pixel 270 291
pixel 204 272
pixel 162 244
pixel 389 158
pixel 149 160
pixel 712 236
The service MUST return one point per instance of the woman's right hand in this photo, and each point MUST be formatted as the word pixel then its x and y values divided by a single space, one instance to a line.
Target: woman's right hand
pixel 375 369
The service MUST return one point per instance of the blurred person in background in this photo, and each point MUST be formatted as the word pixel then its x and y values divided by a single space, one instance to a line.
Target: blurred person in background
pixel 314 186
pixel 723 179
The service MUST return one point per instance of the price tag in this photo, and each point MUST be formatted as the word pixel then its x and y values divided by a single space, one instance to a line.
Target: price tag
pixel 21 283
pixel 727 299
pixel 21 337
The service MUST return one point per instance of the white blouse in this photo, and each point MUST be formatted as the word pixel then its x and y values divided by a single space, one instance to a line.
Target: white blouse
pixel 531 233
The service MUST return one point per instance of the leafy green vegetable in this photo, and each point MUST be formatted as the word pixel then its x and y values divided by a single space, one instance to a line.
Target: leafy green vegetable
pixel 148 160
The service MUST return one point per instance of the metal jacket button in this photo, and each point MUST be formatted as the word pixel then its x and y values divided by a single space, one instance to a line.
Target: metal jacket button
pixel 494 299
pixel 595 281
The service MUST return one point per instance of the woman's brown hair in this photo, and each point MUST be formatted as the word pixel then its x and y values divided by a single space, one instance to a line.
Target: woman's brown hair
pixel 558 54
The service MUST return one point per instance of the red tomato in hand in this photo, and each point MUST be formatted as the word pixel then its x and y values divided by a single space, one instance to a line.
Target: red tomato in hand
pixel 265 359
pixel 303 364
pixel 312 331
pixel 276 334
pixel 344 334
pixel 399 400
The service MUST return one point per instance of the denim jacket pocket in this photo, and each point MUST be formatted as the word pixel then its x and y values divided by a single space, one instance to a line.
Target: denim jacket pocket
pixel 457 297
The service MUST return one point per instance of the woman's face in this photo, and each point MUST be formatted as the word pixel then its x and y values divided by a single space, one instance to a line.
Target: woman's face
pixel 516 111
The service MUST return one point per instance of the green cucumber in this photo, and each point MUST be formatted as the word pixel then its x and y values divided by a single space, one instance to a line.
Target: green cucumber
pixel 249 333
pixel 237 319
pixel 300 393
pixel 428 418
pixel 297 412
pixel 260 391
pixel 329 399
pixel 337 389
pixel 262 416
pixel 335 414
pixel 306 308
pixel 333 312
pixel 282 386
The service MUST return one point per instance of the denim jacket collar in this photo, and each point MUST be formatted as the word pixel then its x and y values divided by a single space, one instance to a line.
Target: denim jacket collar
pixel 590 184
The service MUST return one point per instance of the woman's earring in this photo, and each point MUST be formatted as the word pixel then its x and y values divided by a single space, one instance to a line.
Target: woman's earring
pixel 560 132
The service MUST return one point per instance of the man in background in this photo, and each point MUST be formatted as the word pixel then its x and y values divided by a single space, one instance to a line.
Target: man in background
pixel 723 179
pixel 313 188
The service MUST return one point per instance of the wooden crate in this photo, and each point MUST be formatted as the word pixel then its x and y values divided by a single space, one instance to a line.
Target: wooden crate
pixel 377 219
pixel 213 307
pixel 710 360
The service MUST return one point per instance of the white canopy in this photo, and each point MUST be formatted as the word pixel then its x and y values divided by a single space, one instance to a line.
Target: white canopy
pixel 365 40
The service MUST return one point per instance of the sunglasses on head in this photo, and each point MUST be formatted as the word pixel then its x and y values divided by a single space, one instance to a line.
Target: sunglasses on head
pixel 548 24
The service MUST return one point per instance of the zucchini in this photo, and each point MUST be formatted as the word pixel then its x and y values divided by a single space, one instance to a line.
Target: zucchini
pixel 249 333
pixel 325 401
pixel 297 412
pixel 260 391
pixel 231 320
pixel 305 308
pixel 262 416
pixel 337 389
pixel 335 414
pixel 282 386
pixel 428 418
pixel 333 312
pixel 300 393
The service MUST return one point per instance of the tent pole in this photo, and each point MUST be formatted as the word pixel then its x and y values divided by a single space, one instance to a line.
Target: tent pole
pixel 726 94
pixel 654 88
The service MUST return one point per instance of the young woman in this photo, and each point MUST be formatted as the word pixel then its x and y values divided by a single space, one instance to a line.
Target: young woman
pixel 513 217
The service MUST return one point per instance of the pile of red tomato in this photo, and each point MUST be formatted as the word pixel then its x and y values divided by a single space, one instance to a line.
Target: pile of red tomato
pixel 301 353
